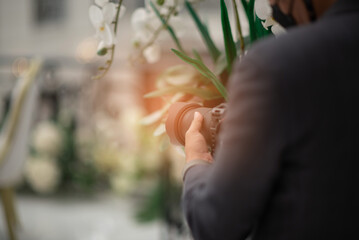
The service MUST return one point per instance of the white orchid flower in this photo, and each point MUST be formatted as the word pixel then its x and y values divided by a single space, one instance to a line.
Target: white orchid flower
pixel 152 53
pixel 166 6
pixel 101 16
pixel 144 23
pixel 264 12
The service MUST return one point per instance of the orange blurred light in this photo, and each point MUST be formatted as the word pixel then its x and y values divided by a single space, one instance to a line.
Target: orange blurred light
pixel 86 50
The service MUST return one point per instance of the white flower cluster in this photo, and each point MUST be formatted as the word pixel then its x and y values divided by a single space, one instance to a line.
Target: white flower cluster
pixel 47 139
pixel 102 15
pixel 42 172
pixel 264 12
pixel 145 23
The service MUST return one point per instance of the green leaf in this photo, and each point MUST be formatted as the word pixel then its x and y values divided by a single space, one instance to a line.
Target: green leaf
pixel 231 51
pixel 213 50
pixel 249 10
pixel 168 27
pixel 261 32
pixel 153 208
pixel 247 42
pixel 220 65
pixel 250 15
pixel 245 4
pixel 197 55
pixel 200 92
pixel 199 65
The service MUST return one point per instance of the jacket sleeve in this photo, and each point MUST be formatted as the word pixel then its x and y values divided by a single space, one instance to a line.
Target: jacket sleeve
pixel 225 200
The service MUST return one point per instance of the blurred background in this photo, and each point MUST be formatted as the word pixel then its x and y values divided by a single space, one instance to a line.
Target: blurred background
pixel 92 170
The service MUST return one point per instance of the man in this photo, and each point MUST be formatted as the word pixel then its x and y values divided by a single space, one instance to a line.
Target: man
pixel 287 167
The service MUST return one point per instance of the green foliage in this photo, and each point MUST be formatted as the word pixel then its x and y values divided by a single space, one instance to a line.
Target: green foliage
pixel 249 10
pixel 197 55
pixel 230 46
pixel 153 206
pixel 160 2
pixel 202 68
pixel 163 202
pixel 260 30
pixel 74 172
pixel 256 29
pixel 213 50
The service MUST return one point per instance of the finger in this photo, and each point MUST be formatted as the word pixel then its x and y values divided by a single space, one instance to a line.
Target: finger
pixel 196 123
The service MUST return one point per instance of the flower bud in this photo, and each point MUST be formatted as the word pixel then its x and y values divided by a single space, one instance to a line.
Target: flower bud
pixel 102 51
pixel 160 2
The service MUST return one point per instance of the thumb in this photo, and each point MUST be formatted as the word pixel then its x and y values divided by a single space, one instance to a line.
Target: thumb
pixel 196 123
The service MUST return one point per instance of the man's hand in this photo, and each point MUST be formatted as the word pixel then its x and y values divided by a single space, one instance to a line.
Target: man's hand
pixel 196 146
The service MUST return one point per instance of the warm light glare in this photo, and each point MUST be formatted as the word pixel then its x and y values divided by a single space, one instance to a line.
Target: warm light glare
pixel 86 50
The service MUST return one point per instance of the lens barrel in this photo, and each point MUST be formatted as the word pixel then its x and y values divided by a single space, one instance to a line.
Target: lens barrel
pixel 180 116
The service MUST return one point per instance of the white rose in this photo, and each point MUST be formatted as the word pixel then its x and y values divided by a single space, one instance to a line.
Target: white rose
pixel 47 139
pixel 42 174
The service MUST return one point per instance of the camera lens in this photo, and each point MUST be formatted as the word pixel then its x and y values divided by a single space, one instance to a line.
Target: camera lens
pixel 180 116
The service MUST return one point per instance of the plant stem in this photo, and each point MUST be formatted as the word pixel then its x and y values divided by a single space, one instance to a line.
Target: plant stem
pixel 110 61
pixel 239 27
pixel 117 16
pixel 155 35
pixel 165 24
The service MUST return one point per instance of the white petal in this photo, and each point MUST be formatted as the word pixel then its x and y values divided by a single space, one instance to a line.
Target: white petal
pixel 96 16
pixel 179 75
pixel 152 22
pixel 152 53
pixel 122 11
pixel 157 115
pixel 147 5
pixel 101 3
pixel 262 9
pixel 101 45
pixel 269 22
pixel 153 117
pixel 264 25
pixel 109 12
pixel 180 150
pixel 141 36
pixel 106 35
pixel 139 18
pixel 161 129
pixel 179 24
pixel 278 29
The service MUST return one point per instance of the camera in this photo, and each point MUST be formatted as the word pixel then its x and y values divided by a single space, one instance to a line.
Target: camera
pixel 180 116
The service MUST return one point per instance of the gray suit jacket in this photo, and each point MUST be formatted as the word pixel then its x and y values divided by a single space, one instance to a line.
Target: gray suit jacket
pixel 288 164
